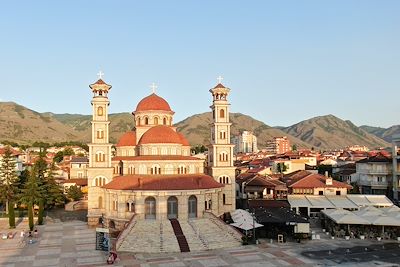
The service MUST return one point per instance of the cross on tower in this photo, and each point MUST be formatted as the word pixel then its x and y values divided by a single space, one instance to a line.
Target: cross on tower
pixel 153 87
pixel 100 74
pixel 219 79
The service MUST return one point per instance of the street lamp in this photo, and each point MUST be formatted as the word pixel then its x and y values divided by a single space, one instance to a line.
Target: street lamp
pixel 254 226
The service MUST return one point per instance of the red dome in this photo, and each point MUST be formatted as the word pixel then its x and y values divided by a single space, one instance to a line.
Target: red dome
pixel 153 102
pixel 160 134
pixel 128 139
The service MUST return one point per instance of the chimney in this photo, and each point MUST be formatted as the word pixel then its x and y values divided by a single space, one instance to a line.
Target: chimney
pixel 328 181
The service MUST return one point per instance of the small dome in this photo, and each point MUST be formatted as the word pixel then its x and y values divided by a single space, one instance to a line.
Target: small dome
pixel 128 139
pixel 153 102
pixel 161 134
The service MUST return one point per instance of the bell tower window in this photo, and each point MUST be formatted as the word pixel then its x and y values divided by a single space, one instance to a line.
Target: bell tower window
pixel 222 113
pixel 100 134
pixel 165 121
pixel 100 111
pixel 146 121
pixel 155 120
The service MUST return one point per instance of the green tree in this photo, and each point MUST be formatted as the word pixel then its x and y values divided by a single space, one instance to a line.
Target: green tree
pixel 9 183
pixel 40 170
pixel 74 193
pixel 294 148
pixel 281 167
pixel 54 192
pixel 31 194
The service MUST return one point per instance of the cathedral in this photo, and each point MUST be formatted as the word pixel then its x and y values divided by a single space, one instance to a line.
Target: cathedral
pixel 152 173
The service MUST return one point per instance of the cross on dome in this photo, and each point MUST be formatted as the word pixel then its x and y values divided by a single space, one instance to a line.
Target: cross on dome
pixel 219 79
pixel 153 87
pixel 100 74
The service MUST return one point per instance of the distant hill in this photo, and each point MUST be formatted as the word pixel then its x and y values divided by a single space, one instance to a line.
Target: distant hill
pixel 196 128
pixel 383 133
pixel 22 125
pixel 331 132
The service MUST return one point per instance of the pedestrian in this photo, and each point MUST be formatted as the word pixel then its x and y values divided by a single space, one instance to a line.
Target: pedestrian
pixel 35 233
pixel 22 234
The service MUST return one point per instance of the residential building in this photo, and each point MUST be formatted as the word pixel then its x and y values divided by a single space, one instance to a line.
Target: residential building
pixel 79 167
pixel 307 183
pixel 396 166
pixel 278 145
pixel 246 142
pixel 374 174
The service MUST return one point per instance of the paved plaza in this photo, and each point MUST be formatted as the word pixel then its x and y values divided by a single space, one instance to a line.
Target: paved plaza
pixel 72 244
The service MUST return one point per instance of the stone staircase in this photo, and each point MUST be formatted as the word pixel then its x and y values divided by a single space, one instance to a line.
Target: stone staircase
pixel 216 235
pixel 180 237
pixel 152 236
pixel 148 236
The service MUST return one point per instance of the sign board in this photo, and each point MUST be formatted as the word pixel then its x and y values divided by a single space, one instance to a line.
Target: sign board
pixel 102 239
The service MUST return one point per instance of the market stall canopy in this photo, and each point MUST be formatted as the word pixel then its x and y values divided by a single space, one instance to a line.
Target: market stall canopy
pixel 246 225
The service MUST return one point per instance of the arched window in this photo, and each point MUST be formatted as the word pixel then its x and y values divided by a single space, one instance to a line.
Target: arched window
pixel 100 202
pixel 164 151
pixel 222 135
pixel 99 181
pixel 192 207
pixel 165 121
pixel 172 208
pixel 115 205
pixel 223 156
pixel 100 111
pixel 156 169
pixel 146 121
pixel 138 121
pixel 112 224
pixel 222 113
pixel 131 169
pixel 182 169
pixel 130 206
pixel 224 179
pixel 150 208
pixel 154 151
pixel 155 120
pixel 100 134
pixel 223 199
pixel 100 156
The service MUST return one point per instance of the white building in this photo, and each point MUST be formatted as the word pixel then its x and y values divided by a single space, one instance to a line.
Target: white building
pixel 246 142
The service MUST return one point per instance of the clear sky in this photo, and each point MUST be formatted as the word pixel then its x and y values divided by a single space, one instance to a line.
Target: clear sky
pixel 285 61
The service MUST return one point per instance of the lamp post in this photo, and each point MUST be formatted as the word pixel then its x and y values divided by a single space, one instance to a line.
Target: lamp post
pixel 254 228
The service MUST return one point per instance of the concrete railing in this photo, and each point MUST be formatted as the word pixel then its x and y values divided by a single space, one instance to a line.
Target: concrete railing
pixel 124 233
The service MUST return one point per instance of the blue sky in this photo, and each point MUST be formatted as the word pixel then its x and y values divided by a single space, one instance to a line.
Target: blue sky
pixel 285 61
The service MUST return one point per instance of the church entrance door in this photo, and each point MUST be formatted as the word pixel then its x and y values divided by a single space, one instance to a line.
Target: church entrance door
pixel 172 208
pixel 192 205
pixel 150 208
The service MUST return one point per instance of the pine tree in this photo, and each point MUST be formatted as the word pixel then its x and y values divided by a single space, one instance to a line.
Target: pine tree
pixel 8 183
pixel 55 193
pixel 31 194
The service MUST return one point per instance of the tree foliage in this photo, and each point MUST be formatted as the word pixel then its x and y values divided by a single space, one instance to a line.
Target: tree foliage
pixel 8 182
pixel 281 167
pixel 74 193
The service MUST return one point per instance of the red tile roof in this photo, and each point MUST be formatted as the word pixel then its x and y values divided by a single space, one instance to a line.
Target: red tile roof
pixel 154 157
pixel 184 141
pixel 153 102
pixel 220 85
pixel 128 139
pixel 100 81
pixel 161 134
pixel 317 180
pixel 163 182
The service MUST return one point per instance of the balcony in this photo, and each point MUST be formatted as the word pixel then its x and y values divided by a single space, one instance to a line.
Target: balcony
pixel 379 172
pixel 374 184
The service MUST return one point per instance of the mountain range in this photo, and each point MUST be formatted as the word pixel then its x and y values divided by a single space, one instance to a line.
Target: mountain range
pixel 23 125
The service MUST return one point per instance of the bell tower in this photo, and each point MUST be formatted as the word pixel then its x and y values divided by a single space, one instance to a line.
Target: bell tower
pixel 100 171
pixel 220 151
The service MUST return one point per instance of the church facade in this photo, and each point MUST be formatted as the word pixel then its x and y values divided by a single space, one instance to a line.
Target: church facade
pixel 152 174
